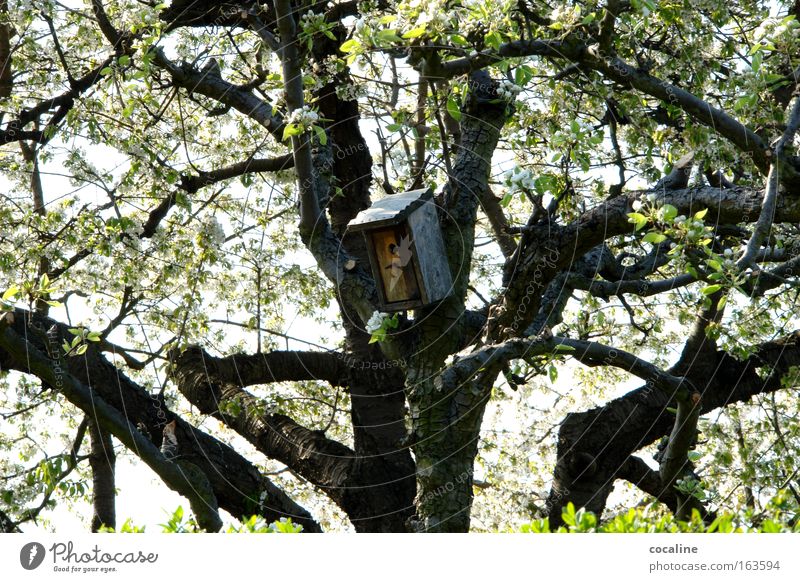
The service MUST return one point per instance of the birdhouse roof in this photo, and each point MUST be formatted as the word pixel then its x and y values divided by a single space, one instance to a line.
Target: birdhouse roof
pixel 391 209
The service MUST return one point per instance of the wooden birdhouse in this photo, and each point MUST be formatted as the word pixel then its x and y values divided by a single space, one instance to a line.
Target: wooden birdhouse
pixel 406 251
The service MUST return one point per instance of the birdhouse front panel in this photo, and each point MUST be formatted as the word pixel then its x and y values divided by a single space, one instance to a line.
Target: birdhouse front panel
pixel 393 254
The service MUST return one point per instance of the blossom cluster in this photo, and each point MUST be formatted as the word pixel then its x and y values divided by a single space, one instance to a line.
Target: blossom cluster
pixel 566 14
pixel 773 29
pixel 311 18
pixel 638 204
pixel 431 14
pixel 520 179
pixel 213 232
pixel 305 117
pixel 508 91
pixel 376 321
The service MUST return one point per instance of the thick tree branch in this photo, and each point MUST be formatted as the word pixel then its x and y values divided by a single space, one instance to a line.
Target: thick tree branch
pixel 609 434
pixel 571 48
pixel 193 182
pixel 550 249
pixel 674 461
pixel 497 220
pixel 238 485
pixel 358 484
pixel 208 83
pixel 108 418
pixel 276 366
pixel 636 471
pixel 310 214
pixel 597 354
pixel 767 214
pixel 214 385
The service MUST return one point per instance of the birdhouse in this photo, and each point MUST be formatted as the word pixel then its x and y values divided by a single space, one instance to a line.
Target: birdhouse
pixel 406 251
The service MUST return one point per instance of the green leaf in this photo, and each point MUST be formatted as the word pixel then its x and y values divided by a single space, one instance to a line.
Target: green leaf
pixel 694 456
pixel 124 60
pixel 756 63
pixel 722 302
pixel 415 32
pixel 394 127
pixel 321 135
pixel 522 75
pixel 668 212
pixel 350 46
pixel 701 214
pixel 493 39
pixel 387 36
pixel 561 348
pixel 552 373
pixel 453 109
pixel 459 40
pixel 711 289
pixel 10 293
pixel 291 129
pixel 106 71
pixel 654 237
pixel 638 220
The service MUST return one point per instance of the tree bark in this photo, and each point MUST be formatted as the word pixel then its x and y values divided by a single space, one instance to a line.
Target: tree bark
pixel 102 460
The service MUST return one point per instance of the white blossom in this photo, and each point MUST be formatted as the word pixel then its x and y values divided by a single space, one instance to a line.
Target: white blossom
pixel 774 28
pixel 508 91
pixel 520 179
pixel 213 232
pixel 376 321
pixel 304 117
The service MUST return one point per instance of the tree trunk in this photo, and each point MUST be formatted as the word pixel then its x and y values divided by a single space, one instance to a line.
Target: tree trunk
pixel 446 413
pixel 102 460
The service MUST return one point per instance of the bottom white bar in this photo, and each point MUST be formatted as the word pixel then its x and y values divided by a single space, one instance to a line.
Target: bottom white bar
pixel 336 557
